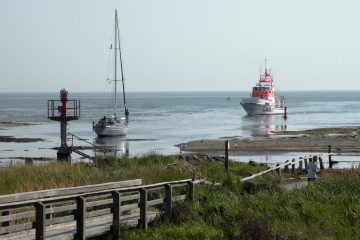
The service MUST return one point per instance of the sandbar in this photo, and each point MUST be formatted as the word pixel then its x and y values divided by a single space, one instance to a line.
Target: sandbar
pixel 343 139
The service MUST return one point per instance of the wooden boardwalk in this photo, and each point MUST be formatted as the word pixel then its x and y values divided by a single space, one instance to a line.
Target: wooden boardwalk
pixel 89 211
pixel 67 231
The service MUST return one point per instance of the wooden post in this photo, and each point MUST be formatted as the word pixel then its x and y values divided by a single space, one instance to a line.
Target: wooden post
pixel 300 169
pixel 80 218
pixel 278 169
pixel 116 209
pixel 143 208
pixel 40 221
pixel 227 146
pixel 293 166
pixel 286 167
pixel 321 163
pixel 330 160
pixel 190 191
pixel 168 200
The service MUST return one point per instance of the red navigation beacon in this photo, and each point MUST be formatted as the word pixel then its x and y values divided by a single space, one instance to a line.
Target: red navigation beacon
pixel 67 111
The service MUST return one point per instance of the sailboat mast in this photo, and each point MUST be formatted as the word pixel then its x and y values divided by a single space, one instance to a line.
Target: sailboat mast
pixel 115 63
pixel 122 74
pixel 122 71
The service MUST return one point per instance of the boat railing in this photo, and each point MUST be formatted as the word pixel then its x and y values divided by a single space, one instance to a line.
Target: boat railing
pixel 279 101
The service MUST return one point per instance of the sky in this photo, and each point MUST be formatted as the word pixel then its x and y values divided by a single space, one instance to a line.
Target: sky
pixel 180 45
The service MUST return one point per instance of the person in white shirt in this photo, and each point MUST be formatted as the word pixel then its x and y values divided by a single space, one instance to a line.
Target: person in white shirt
pixel 313 169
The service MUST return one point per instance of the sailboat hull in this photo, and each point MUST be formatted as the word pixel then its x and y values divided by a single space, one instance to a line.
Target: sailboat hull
pixel 111 130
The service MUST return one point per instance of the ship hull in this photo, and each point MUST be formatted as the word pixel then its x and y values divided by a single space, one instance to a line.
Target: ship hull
pixel 261 107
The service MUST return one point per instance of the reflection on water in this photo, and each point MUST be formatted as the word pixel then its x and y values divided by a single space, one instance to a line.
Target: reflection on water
pixel 265 125
pixel 116 146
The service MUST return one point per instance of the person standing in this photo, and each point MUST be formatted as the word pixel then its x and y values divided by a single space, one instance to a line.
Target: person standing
pixel 313 169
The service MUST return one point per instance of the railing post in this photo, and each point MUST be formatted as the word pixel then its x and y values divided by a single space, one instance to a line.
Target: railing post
pixel 286 167
pixel 40 221
pixel 300 169
pixel 168 200
pixel 80 218
pixel 227 146
pixel 293 166
pixel 190 191
pixel 278 169
pixel 321 163
pixel 116 209
pixel 330 160
pixel 143 208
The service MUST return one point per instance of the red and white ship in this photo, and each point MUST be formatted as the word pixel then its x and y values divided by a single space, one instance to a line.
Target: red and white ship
pixel 263 100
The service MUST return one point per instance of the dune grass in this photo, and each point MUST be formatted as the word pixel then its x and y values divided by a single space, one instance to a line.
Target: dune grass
pixel 151 168
pixel 326 209
pixel 258 209
pixel 15 179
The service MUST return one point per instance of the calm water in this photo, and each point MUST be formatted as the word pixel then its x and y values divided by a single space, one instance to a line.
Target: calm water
pixel 160 120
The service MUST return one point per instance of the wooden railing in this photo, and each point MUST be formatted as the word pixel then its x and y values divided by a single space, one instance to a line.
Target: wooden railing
pixel 301 163
pixel 78 213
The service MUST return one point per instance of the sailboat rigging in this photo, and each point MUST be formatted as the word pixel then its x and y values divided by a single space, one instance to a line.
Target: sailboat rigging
pixel 113 125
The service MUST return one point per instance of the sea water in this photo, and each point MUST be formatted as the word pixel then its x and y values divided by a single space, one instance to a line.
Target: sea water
pixel 160 120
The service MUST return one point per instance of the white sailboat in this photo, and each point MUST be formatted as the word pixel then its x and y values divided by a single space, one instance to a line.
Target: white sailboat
pixel 114 125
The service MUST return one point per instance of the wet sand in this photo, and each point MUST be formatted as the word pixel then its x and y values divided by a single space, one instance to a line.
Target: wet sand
pixel 16 124
pixel 314 140
pixel 19 140
pixel 4 125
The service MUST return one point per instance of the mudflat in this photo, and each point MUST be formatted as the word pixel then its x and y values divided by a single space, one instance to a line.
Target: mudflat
pixel 4 125
pixel 16 124
pixel 345 139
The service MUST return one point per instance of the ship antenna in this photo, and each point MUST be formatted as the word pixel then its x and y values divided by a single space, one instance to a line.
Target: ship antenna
pixel 266 70
pixel 265 67
pixel 260 69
